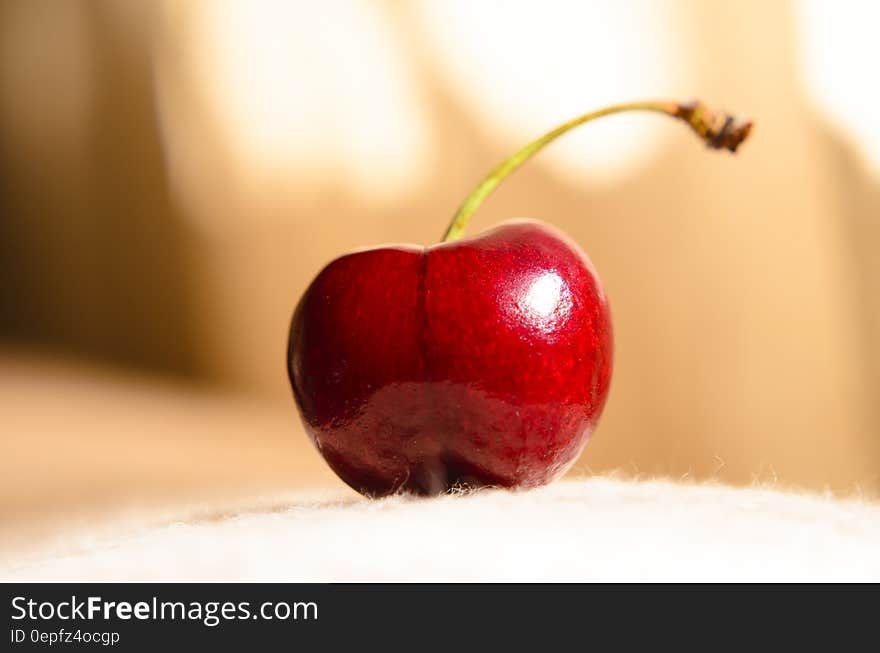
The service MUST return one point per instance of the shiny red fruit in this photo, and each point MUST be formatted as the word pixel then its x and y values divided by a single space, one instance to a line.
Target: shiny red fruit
pixel 484 361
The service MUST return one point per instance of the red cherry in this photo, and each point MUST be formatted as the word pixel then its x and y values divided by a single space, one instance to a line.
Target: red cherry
pixel 474 362
pixel 480 362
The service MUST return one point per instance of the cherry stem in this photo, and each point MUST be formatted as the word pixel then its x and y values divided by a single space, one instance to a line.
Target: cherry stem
pixel 716 130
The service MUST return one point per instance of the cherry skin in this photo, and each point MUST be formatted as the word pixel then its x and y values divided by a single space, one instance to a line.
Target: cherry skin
pixel 484 361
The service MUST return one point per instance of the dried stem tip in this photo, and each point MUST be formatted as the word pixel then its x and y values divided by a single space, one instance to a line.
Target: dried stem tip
pixel 718 132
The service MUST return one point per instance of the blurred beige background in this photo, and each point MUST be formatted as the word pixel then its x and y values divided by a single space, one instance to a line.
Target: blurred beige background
pixel 174 174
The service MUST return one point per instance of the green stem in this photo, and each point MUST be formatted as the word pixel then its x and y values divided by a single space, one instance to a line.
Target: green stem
pixel 717 132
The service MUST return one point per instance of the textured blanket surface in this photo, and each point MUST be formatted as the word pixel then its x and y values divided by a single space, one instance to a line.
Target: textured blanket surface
pixel 597 529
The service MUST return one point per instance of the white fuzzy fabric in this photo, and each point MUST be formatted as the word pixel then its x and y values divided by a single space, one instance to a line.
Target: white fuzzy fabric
pixel 597 529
